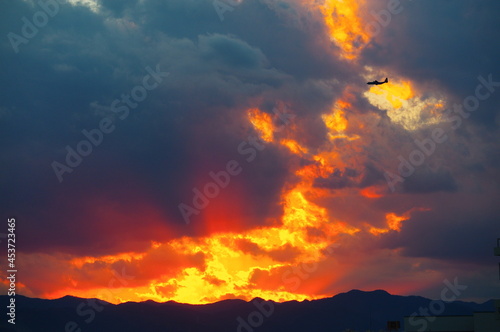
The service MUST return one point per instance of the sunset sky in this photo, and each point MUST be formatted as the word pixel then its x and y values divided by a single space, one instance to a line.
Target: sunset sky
pixel 201 150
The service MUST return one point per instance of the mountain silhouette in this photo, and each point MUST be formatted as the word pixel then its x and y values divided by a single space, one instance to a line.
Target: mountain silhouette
pixel 356 310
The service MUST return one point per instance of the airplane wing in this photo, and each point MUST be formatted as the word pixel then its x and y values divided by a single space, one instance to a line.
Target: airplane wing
pixel 377 82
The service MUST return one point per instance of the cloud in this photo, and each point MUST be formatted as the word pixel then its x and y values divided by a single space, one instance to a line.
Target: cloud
pixel 284 254
pixel 125 195
pixel 426 181
pixel 444 44
pixel 457 233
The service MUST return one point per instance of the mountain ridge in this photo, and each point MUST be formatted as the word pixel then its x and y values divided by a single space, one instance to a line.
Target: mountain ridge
pixel 357 310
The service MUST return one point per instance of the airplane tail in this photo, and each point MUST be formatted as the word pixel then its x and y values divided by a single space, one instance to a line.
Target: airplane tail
pixel 386 80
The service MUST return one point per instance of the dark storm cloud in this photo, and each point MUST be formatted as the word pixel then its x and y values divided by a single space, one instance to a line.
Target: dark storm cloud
pixel 65 79
pixel 445 43
pixel 461 232
pixel 427 181
pixel 371 176
pixel 230 51
pixel 264 54
pixel 351 178
pixel 118 7
pixel 338 179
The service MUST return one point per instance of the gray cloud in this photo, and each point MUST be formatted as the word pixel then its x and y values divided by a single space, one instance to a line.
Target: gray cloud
pixel 126 193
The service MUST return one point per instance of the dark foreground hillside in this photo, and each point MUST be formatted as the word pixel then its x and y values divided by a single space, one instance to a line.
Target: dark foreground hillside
pixel 356 310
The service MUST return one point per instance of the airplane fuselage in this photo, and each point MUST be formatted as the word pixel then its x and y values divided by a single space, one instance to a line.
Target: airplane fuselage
pixel 377 82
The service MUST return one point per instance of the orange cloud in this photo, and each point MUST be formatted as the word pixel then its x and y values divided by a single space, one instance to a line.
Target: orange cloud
pixel 345 26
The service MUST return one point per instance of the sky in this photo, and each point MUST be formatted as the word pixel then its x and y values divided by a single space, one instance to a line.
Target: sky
pixel 201 150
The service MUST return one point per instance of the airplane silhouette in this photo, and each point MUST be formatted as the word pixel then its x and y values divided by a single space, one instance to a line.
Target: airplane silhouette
pixel 377 82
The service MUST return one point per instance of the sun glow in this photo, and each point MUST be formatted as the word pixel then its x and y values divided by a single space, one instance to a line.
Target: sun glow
pixel 253 263
pixel 231 260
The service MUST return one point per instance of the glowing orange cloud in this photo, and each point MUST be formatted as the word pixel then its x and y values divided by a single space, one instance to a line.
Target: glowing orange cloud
pixel 235 262
pixel 294 146
pixel 249 263
pixel 393 221
pixel 395 93
pixel 344 24
pixel 228 267
pixel 231 260
pixel 370 192
pixel 263 123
